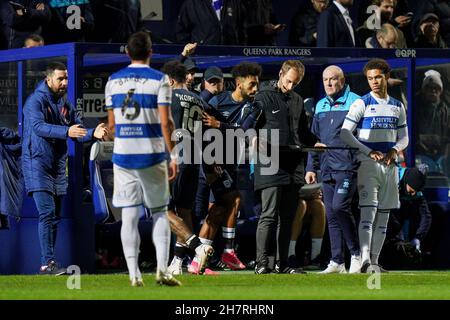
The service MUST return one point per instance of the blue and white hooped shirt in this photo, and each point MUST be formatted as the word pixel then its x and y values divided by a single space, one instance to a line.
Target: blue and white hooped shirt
pixel 377 121
pixel 134 94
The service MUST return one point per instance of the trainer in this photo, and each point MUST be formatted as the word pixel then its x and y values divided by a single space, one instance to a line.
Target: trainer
pixel 49 119
pixel 282 110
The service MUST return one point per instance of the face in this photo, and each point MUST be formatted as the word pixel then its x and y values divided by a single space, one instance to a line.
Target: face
pixel 190 78
pixel 289 80
pixel 410 190
pixel 377 81
pixel 430 27
pixel 387 41
pixel 333 82
pixel 214 86
pixel 387 10
pixel 346 3
pixel 31 43
pixel 248 87
pixel 432 93
pixel 319 5
pixel 57 82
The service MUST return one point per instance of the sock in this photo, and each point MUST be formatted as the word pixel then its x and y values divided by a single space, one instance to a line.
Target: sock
pixel 161 240
pixel 129 234
pixel 316 246
pixel 179 251
pixel 138 245
pixel 193 242
pixel 365 232
pixel 228 235
pixel 206 241
pixel 379 234
pixel 292 245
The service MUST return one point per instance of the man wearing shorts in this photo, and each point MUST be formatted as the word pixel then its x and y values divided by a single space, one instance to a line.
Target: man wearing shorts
pixel 138 99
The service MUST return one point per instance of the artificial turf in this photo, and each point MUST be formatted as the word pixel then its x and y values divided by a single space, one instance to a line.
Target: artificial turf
pixel 233 286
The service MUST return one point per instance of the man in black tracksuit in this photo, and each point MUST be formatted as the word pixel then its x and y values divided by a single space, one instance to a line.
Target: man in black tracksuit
pixel 211 22
pixel 282 110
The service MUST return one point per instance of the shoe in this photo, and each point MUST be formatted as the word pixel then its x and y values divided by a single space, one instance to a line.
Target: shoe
pixel 166 279
pixel 232 261
pixel 365 267
pixel 355 264
pixel 313 265
pixel 334 267
pixel 377 268
pixel 288 270
pixel 137 282
pixel 194 269
pixel 52 269
pixel 175 267
pixel 262 269
pixel 203 253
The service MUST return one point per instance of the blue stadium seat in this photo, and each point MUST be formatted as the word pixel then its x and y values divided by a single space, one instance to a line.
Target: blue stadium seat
pixel 102 184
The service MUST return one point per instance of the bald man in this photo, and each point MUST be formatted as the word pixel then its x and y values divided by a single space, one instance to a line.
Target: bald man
pixel 385 38
pixel 337 169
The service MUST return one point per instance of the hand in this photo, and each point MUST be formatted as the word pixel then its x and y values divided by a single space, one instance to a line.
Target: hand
pixel 376 155
pixel 189 49
pixel 19 12
pixel 390 156
pixel 416 243
pixel 77 131
pixel 101 131
pixel 310 177
pixel 279 27
pixel 320 145
pixel 210 121
pixel 315 35
pixel 214 175
pixel 173 170
pixel 403 21
pixel 40 6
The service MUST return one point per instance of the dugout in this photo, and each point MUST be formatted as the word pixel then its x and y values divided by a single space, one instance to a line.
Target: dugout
pixel 89 66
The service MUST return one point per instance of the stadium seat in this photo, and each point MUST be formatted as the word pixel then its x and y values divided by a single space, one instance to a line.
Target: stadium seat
pixel 102 184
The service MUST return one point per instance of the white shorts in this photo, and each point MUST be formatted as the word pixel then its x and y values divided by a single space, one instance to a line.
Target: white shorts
pixel 148 187
pixel 378 185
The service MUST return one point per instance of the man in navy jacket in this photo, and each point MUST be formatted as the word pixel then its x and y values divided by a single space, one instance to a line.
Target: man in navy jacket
pixel 338 169
pixel 49 120
pixel 335 27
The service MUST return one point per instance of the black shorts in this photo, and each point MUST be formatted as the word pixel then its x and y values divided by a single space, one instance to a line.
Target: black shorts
pixel 226 183
pixel 184 188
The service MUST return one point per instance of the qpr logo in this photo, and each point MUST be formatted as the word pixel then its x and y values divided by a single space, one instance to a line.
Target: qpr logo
pixel 395 110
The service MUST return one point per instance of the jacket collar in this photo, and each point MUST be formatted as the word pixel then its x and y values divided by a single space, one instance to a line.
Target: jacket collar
pixel 44 90
pixel 341 97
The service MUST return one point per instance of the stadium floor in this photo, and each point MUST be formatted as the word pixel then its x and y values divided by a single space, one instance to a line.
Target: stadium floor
pixel 242 285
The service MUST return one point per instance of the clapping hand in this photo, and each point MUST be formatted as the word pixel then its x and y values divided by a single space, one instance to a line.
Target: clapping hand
pixel 77 131
pixel 390 156
pixel 101 131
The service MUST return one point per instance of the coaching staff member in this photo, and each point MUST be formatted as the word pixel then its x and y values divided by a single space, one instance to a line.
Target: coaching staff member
pixel 49 120
pixel 282 110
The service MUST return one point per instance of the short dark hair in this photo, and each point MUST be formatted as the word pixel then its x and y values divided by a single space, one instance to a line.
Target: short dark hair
pixel 35 38
pixel 378 64
pixel 175 70
pixel 52 66
pixel 245 69
pixel 139 46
